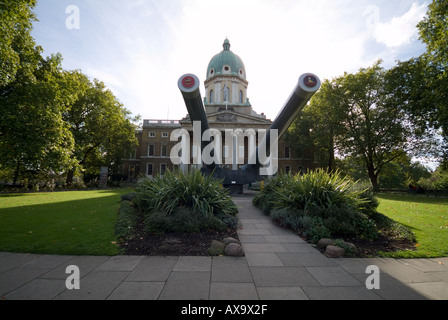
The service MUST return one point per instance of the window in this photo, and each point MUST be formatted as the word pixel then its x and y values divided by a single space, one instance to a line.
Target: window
pixel 164 151
pixel 162 169
pixel 287 169
pixel 152 134
pixel 212 96
pixel 164 134
pixel 133 154
pixel 131 172
pixel 241 96
pixel 149 169
pixel 151 150
pixel 287 153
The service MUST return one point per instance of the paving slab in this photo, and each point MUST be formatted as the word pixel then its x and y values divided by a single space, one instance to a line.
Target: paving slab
pixel 282 293
pixel 305 259
pixel 340 293
pixel 193 264
pixel 432 290
pixel 187 285
pixel 137 291
pixel 97 285
pixel 264 260
pixel 38 289
pixel 282 277
pixel 235 291
pixel 334 277
pixel 153 269
pixel 120 263
pixel 13 279
pixel 231 269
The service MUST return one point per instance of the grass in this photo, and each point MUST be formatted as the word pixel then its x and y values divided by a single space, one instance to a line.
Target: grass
pixel 66 223
pixel 426 217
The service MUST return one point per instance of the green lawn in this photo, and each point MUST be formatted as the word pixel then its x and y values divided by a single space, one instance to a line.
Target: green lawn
pixel 426 217
pixel 68 223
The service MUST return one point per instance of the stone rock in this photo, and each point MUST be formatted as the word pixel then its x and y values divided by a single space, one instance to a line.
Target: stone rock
pixel 334 251
pixel 216 248
pixel 324 242
pixel 234 250
pixel 351 247
pixel 229 240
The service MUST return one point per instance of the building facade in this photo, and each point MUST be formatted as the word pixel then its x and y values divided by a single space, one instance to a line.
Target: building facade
pixel 227 108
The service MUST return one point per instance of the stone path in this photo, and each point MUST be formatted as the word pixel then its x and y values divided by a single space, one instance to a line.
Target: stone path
pixel 278 266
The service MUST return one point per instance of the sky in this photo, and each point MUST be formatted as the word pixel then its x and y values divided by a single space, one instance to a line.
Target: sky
pixel 140 48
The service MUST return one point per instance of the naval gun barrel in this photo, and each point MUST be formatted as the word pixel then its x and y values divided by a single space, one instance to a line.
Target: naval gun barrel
pixel 307 86
pixel 189 87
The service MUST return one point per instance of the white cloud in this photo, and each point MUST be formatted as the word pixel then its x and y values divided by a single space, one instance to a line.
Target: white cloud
pixel 400 30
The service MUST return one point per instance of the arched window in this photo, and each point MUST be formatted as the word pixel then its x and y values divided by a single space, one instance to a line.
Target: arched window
pixel 212 96
pixel 241 96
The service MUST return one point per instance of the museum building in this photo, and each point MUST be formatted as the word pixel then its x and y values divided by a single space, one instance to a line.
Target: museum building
pixel 227 107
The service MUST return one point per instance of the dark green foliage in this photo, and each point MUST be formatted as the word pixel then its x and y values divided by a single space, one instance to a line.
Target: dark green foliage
pixel 126 220
pixel 181 220
pixel 184 202
pixel 319 204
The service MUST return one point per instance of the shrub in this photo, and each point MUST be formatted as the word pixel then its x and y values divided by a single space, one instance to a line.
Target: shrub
pixel 126 220
pixel 184 202
pixel 319 204
pixel 181 220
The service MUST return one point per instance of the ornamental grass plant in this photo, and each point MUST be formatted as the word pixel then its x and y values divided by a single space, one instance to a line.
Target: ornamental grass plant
pixel 184 202
pixel 319 204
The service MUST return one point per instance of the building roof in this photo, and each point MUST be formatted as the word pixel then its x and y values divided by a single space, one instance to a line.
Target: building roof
pixel 226 63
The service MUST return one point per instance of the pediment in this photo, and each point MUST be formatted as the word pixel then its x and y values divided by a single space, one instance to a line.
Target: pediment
pixel 235 117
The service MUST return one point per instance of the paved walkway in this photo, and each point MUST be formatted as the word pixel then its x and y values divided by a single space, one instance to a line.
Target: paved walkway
pixel 278 266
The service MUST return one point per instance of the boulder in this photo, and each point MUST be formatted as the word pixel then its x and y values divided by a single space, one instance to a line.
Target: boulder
pixel 216 248
pixel 334 252
pixel 229 240
pixel 234 250
pixel 324 242
pixel 350 246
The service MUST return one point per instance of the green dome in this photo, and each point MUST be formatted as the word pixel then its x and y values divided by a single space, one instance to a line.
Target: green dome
pixel 226 63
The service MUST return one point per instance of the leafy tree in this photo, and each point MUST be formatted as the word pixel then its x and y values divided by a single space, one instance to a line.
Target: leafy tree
pixel 102 128
pixel 17 48
pixel 375 130
pixel 34 91
pixel 434 33
pixel 319 125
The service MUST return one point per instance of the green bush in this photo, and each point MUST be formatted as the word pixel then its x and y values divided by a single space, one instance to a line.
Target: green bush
pixel 319 204
pixel 184 202
pixel 181 220
pixel 126 220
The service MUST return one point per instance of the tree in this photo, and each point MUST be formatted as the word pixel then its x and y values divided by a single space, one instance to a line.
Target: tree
pixel 434 33
pixel 17 47
pixel 33 94
pixel 319 126
pixel 375 130
pixel 34 138
pixel 102 128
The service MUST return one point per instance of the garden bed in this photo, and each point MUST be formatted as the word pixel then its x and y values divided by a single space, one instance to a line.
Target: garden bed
pixel 175 244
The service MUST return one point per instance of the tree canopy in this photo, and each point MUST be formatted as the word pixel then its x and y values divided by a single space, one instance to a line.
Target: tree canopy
pixel 53 120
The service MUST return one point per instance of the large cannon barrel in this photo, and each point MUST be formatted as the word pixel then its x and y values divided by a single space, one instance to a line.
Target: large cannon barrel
pixel 189 87
pixel 307 86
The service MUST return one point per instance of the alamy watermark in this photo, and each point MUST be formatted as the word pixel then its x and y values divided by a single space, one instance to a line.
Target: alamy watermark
pixel 188 152
pixel 373 281
pixel 73 21
pixel 73 280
